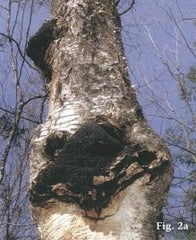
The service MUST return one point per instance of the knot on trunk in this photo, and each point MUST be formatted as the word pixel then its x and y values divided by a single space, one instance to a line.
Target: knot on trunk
pixel 92 166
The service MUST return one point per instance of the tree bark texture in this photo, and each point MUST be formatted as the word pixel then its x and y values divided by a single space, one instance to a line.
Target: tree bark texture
pixel 98 171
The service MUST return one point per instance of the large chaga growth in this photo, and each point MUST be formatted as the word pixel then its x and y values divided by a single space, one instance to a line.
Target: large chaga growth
pixel 91 167
pixel 98 171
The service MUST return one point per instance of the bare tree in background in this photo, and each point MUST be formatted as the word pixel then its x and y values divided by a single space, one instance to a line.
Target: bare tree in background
pixel 170 62
pixel 19 92
pixel 162 45
pixel 98 171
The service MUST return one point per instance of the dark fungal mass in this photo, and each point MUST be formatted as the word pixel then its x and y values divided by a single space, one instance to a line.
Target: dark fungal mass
pixel 86 154
pixel 90 167
pixel 38 45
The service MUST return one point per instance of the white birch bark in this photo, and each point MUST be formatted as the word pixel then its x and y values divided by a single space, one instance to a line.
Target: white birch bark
pixel 88 83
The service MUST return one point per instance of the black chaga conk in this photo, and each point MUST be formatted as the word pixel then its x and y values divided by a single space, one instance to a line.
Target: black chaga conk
pixel 38 45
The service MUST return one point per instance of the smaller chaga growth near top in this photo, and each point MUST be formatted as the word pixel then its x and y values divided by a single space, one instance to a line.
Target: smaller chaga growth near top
pixel 98 171
pixel 38 45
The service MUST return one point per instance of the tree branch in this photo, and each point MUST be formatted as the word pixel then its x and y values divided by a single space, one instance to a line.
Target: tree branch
pixel 178 146
pixel 117 2
pixel 129 8
pixel 18 47
pixel 25 118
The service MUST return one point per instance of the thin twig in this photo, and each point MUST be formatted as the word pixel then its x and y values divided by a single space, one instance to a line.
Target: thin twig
pixel 178 146
pixel 18 47
pixel 128 9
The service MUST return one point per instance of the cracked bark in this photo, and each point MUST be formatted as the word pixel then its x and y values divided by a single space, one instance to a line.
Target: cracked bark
pixel 98 171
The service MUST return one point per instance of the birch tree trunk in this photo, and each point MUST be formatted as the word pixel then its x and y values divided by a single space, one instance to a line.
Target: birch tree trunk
pixel 98 171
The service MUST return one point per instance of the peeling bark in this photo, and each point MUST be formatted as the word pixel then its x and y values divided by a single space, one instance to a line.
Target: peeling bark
pixel 98 171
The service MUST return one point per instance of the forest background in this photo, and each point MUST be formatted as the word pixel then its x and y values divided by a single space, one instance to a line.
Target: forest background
pixel 159 42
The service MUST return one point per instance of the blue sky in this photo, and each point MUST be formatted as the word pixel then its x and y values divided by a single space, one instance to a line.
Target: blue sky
pixel 153 44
